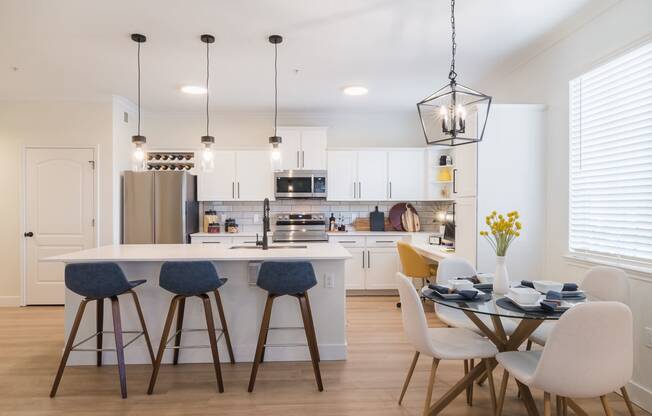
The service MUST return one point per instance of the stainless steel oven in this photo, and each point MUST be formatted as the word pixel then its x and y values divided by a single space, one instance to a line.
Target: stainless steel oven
pixel 300 184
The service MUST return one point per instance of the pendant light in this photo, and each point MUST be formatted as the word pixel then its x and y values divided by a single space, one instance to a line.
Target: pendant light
pixel 207 156
pixel 275 140
pixel 454 115
pixel 139 141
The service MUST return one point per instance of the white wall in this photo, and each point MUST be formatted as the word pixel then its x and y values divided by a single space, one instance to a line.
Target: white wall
pixel 55 123
pixel 544 79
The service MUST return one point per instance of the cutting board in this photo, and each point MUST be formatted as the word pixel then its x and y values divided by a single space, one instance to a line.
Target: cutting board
pixel 377 220
pixel 410 219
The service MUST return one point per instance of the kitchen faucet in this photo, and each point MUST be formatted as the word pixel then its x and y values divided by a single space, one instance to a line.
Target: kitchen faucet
pixel 264 243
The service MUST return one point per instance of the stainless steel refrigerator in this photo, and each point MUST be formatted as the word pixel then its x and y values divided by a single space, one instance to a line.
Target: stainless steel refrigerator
pixel 159 207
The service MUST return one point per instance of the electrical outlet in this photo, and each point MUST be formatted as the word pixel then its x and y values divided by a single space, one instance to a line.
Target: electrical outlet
pixel 648 337
pixel 329 281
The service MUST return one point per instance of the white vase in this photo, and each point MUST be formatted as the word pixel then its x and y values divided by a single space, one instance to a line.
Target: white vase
pixel 501 277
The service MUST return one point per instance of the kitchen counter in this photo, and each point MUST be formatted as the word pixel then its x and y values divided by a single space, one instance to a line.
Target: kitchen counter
pixel 243 301
pixel 333 233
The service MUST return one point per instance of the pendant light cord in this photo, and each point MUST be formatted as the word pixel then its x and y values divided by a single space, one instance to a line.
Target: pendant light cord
pixel 452 74
pixel 275 86
pixel 207 91
pixel 138 88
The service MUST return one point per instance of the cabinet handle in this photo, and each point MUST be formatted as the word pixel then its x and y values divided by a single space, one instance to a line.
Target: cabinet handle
pixel 233 190
pixel 368 259
pixel 385 241
pixel 363 259
pixel 344 242
pixel 303 158
pixel 238 190
pixel 298 159
pixel 211 242
pixel 454 180
pixel 355 192
pixel 390 190
pixel 359 190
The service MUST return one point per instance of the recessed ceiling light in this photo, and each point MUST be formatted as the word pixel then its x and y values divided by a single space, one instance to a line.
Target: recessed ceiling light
pixel 193 89
pixel 355 90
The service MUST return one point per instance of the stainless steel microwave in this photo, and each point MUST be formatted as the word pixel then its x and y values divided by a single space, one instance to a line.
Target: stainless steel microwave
pixel 300 184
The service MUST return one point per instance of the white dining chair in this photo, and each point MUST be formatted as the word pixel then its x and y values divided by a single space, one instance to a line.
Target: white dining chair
pixel 439 343
pixel 590 353
pixel 600 283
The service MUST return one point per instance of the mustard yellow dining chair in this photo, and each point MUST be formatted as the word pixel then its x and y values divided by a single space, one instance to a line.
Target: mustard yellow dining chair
pixel 415 266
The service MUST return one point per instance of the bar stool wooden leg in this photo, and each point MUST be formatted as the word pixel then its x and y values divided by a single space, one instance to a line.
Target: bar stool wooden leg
pixel 312 342
pixel 177 339
pixel 225 328
pixel 312 325
pixel 210 325
pixel 99 325
pixel 119 345
pixel 69 344
pixel 143 326
pixel 264 328
pixel 161 347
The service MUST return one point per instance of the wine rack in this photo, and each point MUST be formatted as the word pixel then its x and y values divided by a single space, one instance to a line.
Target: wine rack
pixel 175 161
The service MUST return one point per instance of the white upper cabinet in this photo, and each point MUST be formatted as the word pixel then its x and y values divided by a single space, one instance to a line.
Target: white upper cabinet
pixel 303 148
pixel 254 176
pixel 218 185
pixel 465 161
pixel 372 175
pixel 238 176
pixel 407 175
pixel 342 175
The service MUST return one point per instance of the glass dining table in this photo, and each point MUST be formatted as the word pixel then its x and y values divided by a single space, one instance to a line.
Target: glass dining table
pixel 496 307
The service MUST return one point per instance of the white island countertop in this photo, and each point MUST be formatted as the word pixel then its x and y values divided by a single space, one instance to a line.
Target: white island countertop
pixel 210 252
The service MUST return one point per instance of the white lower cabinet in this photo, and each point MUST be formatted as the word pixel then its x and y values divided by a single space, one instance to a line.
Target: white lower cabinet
pixel 382 266
pixel 354 270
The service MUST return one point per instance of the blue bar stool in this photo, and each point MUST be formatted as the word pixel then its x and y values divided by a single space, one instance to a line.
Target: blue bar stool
pixel 97 281
pixel 191 279
pixel 293 279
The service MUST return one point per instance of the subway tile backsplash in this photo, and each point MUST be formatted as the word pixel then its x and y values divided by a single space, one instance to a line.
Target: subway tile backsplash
pixel 245 212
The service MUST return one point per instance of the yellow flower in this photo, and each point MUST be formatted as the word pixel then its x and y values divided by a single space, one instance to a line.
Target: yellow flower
pixel 518 234
pixel 518 225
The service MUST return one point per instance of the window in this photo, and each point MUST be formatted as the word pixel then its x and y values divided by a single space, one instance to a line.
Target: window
pixel 610 185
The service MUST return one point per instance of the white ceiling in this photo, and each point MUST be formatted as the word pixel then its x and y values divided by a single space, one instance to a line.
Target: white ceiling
pixel 399 49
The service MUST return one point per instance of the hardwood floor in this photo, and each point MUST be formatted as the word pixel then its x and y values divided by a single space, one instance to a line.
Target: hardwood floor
pixel 368 383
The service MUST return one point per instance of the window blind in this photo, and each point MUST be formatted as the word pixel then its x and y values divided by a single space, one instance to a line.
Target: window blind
pixel 610 121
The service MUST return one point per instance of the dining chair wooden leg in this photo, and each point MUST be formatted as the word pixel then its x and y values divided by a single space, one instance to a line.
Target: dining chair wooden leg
pixel 492 386
pixel 469 389
pixel 431 385
pixel 210 326
pixel 264 328
pixel 99 327
pixel 312 324
pixel 564 406
pixel 547 404
pixel 575 407
pixel 119 345
pixel 558 405
pixel 528 346
pixel 161 347
pixel 68 347
pixel 225 328
pixel 409 376
pixel 181 309
pixel 143 326
pixel 503 392
pixel 605 406
pixel 628 402
pixel 312 342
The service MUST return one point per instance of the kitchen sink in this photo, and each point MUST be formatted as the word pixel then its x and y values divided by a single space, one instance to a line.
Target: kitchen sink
pixel 261 247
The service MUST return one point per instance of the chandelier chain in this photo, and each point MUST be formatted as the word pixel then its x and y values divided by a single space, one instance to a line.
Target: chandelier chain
pixel 275 86
pixel 138 88
pixel 452 74
pixel 207 90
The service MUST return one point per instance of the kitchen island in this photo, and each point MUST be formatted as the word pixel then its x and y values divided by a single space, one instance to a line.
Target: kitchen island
pixel 243 301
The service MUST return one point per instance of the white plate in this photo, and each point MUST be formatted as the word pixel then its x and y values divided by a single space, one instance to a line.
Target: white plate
pixel 526 305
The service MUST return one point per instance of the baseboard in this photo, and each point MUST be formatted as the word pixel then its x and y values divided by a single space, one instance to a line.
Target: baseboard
pixel 640 395
pixel 9 301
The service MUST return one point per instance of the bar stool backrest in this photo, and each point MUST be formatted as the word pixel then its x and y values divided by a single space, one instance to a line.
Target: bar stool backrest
pixel 189 278
pixel 414 319
pixel 286 277
pixel 96 280
pixel 589 353
pixel 606 283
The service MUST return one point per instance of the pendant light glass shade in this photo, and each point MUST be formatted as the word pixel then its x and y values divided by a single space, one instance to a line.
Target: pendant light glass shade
pixel 276 140
pixel 455 114
pixel 207 162
pixel 139 142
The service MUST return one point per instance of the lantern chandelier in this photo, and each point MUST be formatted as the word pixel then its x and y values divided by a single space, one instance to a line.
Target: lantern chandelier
pixel 454 115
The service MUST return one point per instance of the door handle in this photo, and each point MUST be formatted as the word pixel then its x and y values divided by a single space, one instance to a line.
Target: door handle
pixel 454 180
pixel 29 234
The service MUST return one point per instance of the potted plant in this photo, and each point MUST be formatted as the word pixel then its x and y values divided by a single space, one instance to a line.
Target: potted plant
pixel 503 230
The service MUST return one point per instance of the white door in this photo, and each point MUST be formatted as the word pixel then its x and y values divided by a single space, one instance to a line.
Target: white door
pixel 255 179
pixel 354 272
pixel 382 266
pixel 466 232
pixel 465 170
pixel 59 216
pixel 218 185
pixel 342 176
pixel 290 148
pixel 407 171
pixel 372 175
pixel 313 149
